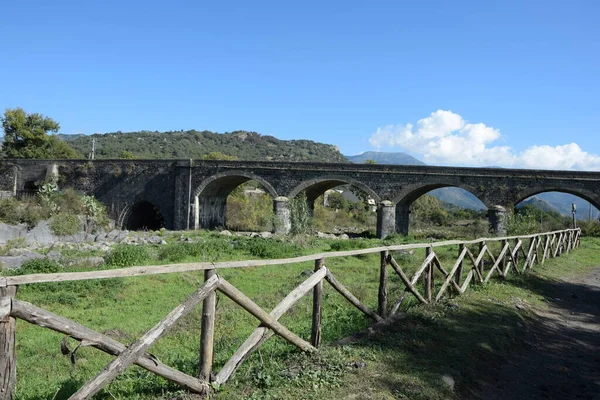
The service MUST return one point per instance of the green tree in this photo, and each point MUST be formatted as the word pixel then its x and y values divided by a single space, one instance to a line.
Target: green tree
pixel 370 161
pixel 27 136
pixel 127 155
pixel 217 155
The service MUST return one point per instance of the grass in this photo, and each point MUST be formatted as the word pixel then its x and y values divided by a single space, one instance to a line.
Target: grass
pixel 454 338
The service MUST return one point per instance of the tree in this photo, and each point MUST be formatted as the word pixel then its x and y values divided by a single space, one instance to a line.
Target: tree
pixel 217 155
pixel 370 161
pixel 27 136
pixel 127 155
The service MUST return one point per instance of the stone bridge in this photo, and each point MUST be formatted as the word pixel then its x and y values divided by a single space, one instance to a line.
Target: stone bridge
pixel 191 194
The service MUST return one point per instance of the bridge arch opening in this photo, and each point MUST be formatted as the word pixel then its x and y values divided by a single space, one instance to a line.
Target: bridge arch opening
pixel 442 211
pixel 144 216
pixel 239 202
pixel 549 210
pixel 336 206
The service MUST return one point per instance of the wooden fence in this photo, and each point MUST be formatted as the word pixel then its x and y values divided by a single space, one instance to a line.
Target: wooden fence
pixel 475 262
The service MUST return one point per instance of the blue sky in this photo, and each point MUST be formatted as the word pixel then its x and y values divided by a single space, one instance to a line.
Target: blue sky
pixel 512 83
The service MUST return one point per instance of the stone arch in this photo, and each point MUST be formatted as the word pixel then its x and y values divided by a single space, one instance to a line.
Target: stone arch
pixel 210 197
pixel 410 193
pixel 142 215
pixel 231 179
pixel 586 195
pixel 315 187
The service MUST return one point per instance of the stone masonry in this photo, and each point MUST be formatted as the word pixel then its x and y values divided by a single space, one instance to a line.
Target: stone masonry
pixel 191 194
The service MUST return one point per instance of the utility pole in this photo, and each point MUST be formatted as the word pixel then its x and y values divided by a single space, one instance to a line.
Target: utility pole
pixel 93 153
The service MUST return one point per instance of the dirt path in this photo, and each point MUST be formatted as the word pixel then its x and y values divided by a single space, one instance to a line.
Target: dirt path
pixel 561 355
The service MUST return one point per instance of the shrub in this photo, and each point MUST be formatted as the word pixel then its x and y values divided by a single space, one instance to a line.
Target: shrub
pixel 12 244
pixel 124 255
pixel 64 224
pixel 40 266
pixel 299 214
pixel 262 248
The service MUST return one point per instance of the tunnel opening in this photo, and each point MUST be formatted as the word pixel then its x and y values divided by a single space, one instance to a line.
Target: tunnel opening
pixel 145 216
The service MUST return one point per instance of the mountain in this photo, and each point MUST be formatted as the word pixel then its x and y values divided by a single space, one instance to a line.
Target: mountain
pixel 381 157
pixel 537 203
pixel 458 197
pixel 562 202
pixel 195 144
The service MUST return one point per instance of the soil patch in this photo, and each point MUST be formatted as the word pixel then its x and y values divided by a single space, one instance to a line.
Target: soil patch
pixel 560 358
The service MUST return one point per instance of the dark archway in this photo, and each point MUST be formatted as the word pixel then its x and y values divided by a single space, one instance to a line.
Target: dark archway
pixel 144 216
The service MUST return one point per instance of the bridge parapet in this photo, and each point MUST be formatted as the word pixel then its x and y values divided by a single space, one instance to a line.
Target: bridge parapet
pixel 192 193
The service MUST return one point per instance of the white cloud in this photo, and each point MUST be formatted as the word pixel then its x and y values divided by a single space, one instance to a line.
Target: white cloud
pixel 446 138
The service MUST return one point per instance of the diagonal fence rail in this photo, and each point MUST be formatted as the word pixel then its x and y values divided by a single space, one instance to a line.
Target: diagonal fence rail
pixel 475 263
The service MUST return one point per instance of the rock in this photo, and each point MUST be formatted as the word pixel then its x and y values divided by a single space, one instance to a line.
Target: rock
pixel 16 261
pixel 112 235
pixel 448 381
pixel 153 239
pixel 343 236
pixel 121 235
pixel 54 255
pixel 225 233
pixel 11 232
pixel 357 364
pixel 40 235
pixel 323 235
pixel 93 262
pixel 266 235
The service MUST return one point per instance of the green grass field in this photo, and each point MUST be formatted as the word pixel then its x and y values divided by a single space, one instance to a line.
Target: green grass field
pixel 453 337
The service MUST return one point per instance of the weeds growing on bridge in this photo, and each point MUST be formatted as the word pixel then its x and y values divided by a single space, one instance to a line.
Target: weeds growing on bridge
pixel 455 338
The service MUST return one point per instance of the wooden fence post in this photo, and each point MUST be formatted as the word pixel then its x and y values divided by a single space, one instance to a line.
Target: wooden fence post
pixel 315 337
pixel 382 308
pixel 8 357
pixel 481 265
pixel 503 263
pixel 208 330
pixel 458 276
pixel 429 276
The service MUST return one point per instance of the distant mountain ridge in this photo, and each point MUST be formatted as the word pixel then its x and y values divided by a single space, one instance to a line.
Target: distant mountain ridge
pixel 381 157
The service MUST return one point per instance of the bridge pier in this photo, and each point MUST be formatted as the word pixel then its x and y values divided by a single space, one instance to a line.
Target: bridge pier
pixel 386 219
pixel 212 212
pixel 402 219
pixel 281 210
pixel 498 216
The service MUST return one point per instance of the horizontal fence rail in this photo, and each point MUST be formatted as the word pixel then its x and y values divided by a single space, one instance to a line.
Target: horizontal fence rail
pixel 475 263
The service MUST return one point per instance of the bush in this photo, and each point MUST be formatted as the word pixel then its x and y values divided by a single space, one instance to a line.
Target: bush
pixel 299 214
pixel 64 224
pixel 589 228
pixel 40 266
pixel 124 255
pixel 269 249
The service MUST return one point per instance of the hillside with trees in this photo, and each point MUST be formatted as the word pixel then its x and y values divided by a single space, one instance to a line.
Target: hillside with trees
pixel 242 145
